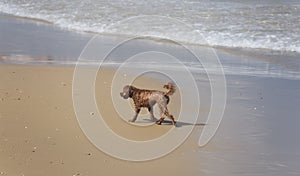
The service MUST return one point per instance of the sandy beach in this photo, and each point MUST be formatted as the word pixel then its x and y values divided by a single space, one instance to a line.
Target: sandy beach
pixel 40 134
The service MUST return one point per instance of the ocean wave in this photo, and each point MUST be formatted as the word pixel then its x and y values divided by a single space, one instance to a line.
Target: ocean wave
pixel 269 27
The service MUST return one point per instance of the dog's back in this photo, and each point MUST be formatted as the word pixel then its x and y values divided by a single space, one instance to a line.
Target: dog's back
pixel 141 96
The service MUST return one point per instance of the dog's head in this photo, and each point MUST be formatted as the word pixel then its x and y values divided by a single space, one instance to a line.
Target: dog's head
pixel 127 92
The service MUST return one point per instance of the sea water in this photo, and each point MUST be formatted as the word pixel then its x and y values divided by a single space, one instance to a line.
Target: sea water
pixel 268 24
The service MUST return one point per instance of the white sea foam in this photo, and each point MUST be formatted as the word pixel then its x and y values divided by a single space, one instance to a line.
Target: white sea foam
pixel 225 23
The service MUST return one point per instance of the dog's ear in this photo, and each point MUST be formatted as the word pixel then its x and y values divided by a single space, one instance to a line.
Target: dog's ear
pixel 130 91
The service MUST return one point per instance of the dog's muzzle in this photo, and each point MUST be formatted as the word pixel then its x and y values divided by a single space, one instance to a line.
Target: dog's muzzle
pixel 122 94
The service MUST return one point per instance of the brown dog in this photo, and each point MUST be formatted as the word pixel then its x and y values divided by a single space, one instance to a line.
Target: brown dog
pixel 143 98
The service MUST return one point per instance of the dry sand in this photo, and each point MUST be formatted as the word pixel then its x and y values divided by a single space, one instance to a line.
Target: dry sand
pixel 39 133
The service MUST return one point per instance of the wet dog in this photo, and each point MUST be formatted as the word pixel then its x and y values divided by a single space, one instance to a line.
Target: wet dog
pixel 144 98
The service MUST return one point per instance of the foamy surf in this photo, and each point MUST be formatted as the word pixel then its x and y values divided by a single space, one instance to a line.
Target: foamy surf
pixel 271 26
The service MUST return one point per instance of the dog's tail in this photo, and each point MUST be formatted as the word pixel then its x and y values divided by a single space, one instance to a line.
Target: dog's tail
pixel 171 88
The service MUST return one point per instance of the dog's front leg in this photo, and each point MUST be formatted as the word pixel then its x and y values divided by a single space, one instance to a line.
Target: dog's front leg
pixel 137 111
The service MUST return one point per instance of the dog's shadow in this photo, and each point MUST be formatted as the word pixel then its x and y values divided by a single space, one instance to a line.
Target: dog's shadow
pixel 178 123
pixel 182 124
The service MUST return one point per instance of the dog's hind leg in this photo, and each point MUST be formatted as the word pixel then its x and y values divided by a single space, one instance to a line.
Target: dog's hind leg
pixel 160 121
pixel 137 111
pixel 150 109
pixel 162 110
pixel 170 116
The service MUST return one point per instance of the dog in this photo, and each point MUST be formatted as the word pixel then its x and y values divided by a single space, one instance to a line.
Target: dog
pixel 144 98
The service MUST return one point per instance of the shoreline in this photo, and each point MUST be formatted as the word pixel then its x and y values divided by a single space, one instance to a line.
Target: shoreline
pixel 56 46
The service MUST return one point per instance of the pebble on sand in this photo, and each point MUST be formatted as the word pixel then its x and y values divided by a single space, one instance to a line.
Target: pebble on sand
pixel 63 83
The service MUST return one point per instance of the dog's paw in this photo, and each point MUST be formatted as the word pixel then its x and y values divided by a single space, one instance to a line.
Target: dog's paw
pixel 158 122
pixel 174 124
